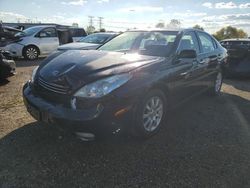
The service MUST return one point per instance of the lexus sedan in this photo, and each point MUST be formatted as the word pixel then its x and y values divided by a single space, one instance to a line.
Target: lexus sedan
pixel 129 83
pixel 90 42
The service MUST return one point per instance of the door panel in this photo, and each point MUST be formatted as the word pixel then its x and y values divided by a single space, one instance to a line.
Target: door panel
pixel 211 54
pixel 48 40
pixel 188 70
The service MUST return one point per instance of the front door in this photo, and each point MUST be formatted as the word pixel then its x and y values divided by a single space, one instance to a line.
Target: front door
pixel 48 40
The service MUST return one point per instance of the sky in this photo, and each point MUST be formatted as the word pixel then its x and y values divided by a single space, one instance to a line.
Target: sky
pixel 119 15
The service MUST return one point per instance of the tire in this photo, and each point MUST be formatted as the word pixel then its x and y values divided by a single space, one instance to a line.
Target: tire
pixel 216 89
pixel 31 52
pixel 147 120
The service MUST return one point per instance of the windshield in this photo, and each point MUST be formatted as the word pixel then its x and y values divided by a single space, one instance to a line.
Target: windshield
pixel 28 32
pixel 154 43
pixel 95 38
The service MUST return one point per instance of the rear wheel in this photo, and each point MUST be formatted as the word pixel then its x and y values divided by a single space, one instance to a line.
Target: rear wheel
pixel 216 89
pixel 31 52
pixel 150 114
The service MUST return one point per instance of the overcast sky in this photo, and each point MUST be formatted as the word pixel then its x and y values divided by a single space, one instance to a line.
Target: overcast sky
pixel 122 14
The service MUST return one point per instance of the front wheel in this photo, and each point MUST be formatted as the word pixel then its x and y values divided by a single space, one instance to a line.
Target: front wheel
pixel 31 53
pixel 150 114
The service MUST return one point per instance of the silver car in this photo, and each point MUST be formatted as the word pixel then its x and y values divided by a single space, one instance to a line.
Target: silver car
pixel 37 40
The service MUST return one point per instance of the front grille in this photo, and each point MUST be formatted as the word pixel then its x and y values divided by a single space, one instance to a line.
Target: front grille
pixel 53 87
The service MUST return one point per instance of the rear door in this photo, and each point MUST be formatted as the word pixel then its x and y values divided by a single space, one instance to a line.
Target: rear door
pixel 48 40
pixel 208 59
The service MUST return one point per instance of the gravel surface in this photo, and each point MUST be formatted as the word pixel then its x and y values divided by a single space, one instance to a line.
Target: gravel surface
pixel 205 144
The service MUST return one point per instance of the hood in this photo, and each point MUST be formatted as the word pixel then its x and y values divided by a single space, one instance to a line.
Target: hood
pixel 79 46
pixel 75 68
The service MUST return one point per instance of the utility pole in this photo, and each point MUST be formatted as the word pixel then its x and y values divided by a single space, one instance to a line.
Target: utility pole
pixel 100 23
pixel 91 21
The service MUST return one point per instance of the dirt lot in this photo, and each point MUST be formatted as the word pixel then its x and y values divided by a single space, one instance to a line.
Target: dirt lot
pixel 206 144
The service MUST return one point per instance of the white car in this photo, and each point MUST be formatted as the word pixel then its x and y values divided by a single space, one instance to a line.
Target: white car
pixel 39 40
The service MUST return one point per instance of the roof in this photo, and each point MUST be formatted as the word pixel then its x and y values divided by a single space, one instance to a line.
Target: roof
pixel 42 26
pixel 105 33
pixel 168 29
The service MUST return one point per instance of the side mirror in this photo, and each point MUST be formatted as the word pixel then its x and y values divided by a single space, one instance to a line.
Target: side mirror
pixel 188 54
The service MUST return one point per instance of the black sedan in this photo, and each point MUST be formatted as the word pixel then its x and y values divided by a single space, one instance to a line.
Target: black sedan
pixel 90 42
pixel 238 63
pixel 129 83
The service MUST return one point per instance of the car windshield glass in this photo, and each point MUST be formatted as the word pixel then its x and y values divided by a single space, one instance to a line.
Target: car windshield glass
pixel 95 38
pixel 154 43
pixel 28 32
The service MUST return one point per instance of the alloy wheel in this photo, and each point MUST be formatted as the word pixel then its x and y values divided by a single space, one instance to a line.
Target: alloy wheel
pixel 31 53
pixel 152 113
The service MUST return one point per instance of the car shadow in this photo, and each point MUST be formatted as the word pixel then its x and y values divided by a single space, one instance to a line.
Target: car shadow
pixel 202 144
pixel 4 82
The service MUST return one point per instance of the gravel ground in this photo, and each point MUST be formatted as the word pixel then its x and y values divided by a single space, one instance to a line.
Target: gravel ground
pixel 206 144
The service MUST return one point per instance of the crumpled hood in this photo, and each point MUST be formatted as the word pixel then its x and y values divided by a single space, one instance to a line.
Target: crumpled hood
pixel 78 46
pixel 75 68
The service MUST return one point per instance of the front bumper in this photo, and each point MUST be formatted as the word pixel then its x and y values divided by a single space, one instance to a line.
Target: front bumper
pixel 15 49
pixel 99 115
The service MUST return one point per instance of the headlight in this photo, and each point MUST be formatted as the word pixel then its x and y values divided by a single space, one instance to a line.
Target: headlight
pixel 33 74
pixel 103 87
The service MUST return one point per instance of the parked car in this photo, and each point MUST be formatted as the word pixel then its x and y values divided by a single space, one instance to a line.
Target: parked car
pixel 129 82
pixel 77 33
pixel 39 40
pixel 238 63
pixel 90 42
pixel 7 65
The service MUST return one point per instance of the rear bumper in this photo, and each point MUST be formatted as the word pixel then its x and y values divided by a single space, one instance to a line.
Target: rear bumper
pixel 95 117
pixel 237 68
pixel 229 71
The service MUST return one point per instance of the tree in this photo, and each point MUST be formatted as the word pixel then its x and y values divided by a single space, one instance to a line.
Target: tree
pixel 174 23
pixel 198 27
pixel 90 29
pixel 230 32
pixel 160 25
